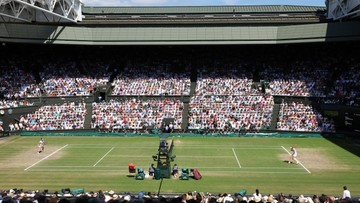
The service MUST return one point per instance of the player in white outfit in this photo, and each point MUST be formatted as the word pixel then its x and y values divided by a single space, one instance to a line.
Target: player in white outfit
pixel 41 145
pixel 293 155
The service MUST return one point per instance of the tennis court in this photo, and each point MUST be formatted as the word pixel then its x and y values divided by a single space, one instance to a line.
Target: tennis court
pixel 226 164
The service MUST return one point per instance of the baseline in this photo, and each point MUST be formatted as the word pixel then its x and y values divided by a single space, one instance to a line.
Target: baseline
pixel 45 157
pixel 299 161
pixel 237 160
pixel 125 171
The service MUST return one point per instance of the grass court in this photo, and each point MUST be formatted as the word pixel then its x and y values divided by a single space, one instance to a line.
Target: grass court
pixel 227 164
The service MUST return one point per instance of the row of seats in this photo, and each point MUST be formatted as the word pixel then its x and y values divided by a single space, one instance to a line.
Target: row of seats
pixel 228 113
pixel 66 79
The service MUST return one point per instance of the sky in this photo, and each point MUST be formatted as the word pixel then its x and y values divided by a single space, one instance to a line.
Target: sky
pixel 200 2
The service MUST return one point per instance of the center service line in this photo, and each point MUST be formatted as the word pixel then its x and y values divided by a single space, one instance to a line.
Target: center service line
pixel 103 157
pixel 45 157
pixel 299 161
pixel 236 157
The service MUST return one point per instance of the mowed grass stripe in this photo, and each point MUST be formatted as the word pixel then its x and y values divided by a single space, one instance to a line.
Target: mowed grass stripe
pixel 45 158
pixel 125 166
pixel 115 146
pixel 179 147
pixel 119 156
pixel 119 171
pixel 77 156
pixel 115 158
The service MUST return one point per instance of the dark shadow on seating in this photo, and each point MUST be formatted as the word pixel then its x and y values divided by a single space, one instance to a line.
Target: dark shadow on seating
pixel 348 141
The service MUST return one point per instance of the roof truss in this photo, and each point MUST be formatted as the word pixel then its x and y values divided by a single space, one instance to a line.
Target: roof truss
pixel 341 9
pixel 45 11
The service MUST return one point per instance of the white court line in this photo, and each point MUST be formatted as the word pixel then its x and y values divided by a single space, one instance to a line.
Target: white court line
pixel 180 147
pixel 299 161
pixel 198 167
pixel 185 146
pixel 128 156
pixel 147 156
pixel 236 157
pixel 107 146
pixel 127 171
pixel 103 156
pixel 180 156
pixel 45 157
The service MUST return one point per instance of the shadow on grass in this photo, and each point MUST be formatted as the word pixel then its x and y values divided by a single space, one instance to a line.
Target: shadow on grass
pixel 349 142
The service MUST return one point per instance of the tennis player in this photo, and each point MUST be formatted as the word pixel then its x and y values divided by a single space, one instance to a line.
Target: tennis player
pixel 293 155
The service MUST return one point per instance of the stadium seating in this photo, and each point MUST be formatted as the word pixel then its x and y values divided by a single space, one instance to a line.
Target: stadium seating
pixel 232 92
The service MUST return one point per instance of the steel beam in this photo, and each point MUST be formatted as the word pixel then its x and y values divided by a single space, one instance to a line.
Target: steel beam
pixel 42 10
pixel 342 9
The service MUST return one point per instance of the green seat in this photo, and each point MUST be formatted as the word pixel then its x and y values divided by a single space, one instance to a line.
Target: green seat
pixel 140 170
pixel 77 191
pixel 242 192
pixel 184 176
pixel 157 174
pixel 185 170
pixel 140 174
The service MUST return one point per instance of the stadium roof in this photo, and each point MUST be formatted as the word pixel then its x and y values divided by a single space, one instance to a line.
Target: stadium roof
pixel 202 9
pixel 176 15
pixel 183 25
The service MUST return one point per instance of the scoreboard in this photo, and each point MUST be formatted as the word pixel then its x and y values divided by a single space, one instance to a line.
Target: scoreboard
pixel 352 120
pixel 346 118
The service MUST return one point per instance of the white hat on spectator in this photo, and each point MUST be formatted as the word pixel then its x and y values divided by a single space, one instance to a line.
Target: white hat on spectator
pixel 228 198
pixel 301 199
pixel 127 198
pixel 107 197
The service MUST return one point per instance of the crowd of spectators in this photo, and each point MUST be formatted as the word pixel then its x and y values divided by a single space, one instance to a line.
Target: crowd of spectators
pixel 296 80
pixel 231 75
pixel 65 79
pixel 56 78
pixel 347 86
pixel 16 126
pixel 296 116
pixel 66 196
pixel 151 79
pixel 5 104
pixel 16 83
pixel 136 114
pixel 66 116
pixel 230 112
pixel 226 81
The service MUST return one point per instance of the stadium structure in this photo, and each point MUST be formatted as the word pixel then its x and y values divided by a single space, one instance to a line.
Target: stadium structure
pixel 38 31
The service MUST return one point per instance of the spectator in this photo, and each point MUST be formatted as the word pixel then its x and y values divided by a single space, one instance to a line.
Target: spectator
pixel 175 170
pixel 70 115
pixel 136 114
pixel 346 193
pixel 152 170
